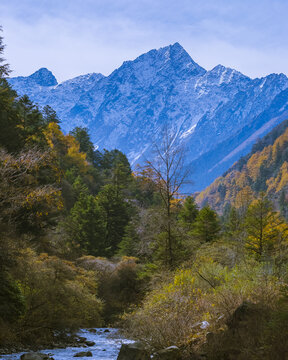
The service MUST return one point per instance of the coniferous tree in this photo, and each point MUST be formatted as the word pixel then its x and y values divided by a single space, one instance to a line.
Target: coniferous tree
pixel 10 134
pixel 81 134
pixel 31 123
pixel 188 213
pixel 235 232
pixel 128 244
pixel 4 68
pixel 116 169
pixel 207 225
pixel 233 223
pixel 86 226
pixel 50 115
pixel 116 216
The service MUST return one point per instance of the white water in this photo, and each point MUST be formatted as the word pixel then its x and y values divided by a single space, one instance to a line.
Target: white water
pixel 107 346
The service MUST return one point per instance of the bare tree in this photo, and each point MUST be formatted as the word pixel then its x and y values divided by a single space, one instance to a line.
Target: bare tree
pixel 168 172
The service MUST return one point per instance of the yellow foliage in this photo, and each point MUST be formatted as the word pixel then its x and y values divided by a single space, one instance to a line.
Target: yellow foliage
pixel 239 184
pixel 175 312
pixel 243 198
pixel 280 181
pixel 256 160
pixel 49 278
pixel 65 147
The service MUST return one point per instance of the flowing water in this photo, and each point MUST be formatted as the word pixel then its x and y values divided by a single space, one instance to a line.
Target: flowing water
pixel 107 346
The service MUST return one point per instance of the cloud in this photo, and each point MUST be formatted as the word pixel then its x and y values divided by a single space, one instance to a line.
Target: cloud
pixel 72 37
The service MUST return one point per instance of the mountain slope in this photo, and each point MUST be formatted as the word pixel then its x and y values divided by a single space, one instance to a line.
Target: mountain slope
pixel 128 108
pixel 264 169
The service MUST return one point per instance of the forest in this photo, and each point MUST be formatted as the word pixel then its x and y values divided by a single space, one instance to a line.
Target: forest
pixel 85 242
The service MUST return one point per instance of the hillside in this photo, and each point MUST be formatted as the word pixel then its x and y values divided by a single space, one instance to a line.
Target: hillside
pixel 217 114
pixel 264 169
pixel 87 243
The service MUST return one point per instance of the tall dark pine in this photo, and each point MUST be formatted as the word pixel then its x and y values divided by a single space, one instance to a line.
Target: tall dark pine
pixel 4 68
pixel 81 134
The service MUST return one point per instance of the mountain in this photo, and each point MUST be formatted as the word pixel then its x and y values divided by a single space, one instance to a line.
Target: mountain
pixel 216 114
pixel 264 169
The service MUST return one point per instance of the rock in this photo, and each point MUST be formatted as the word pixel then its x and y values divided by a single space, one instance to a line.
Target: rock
pixel 106 331
pixel 241 336
pixel 35 356
pixel 244 313
pixel 135 351
pixel 82 339
pixel 89 343
pixel 209 336
pixel 169 353
pixel 83 354
pixel 93 331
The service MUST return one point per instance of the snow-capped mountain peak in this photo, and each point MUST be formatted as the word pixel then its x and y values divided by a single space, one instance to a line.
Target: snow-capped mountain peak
pixel 43 77
pixel 212 112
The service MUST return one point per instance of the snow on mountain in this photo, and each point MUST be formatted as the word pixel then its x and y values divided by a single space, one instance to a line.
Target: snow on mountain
pixel 128 108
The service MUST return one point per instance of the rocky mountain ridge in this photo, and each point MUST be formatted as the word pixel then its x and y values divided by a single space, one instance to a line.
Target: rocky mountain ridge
pixel 213 113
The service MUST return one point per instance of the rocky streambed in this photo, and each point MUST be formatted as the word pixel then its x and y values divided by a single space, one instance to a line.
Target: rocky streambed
pixel 103 344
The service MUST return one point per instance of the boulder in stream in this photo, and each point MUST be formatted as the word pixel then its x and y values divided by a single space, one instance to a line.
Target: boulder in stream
pixel 82 339
pixel 89 343
pixel 83 354
pixel 35 356
pixel 135 351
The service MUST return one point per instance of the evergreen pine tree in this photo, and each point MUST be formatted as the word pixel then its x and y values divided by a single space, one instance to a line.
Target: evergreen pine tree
pixel 207 225
pixel 116 216
pixel 81 134
pixel 4 68
pixel 128 244
pixel 50 115
pixel 188 213
pixel 86 226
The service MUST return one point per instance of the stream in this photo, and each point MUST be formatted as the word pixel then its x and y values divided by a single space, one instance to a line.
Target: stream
pixel 107 346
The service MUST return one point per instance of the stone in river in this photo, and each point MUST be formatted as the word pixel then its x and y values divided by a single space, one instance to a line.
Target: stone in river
pixel 35 356
pixel 89 343
pixel 83 354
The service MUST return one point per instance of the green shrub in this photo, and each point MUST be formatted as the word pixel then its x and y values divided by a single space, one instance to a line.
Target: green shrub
pixel 199 300
pixel 58 296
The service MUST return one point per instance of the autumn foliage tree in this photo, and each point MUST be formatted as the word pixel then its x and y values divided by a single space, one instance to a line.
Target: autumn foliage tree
pixel 264 228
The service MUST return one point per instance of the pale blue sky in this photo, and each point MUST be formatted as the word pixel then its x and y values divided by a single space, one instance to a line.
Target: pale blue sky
pixel 73 37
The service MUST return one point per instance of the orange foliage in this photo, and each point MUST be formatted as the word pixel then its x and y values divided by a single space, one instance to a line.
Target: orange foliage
pixel 239 184
pixel 65 147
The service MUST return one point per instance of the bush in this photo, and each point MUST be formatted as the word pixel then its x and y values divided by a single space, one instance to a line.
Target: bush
pixel 121 287
pixel 58 296
pixel 200 300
